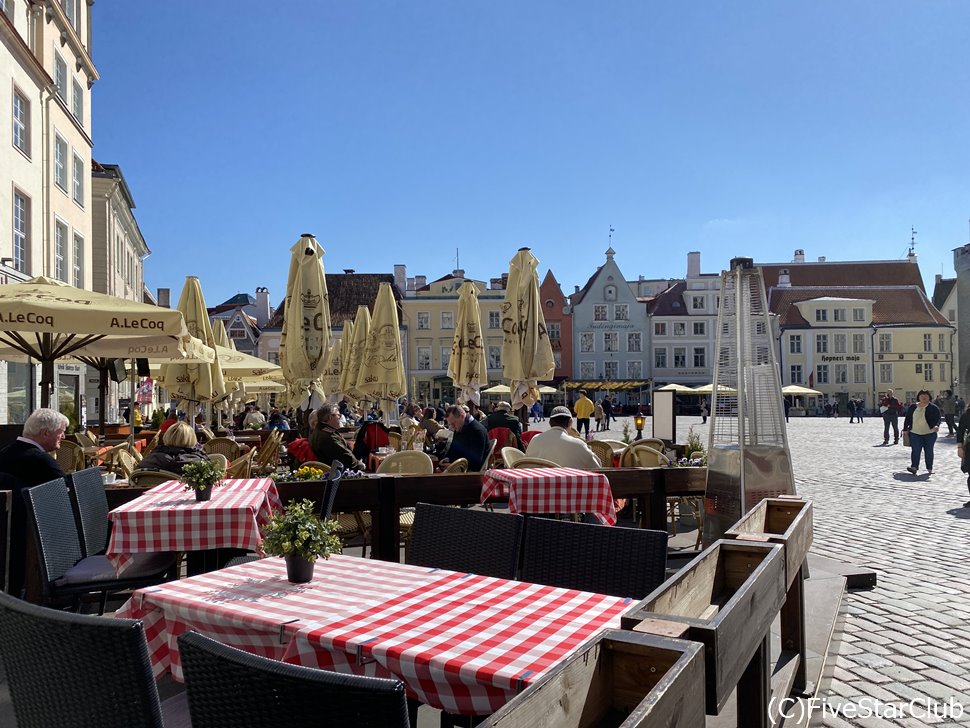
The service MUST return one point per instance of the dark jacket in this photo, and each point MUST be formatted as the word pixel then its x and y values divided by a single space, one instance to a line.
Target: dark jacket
pixel 933 416
pixel 501 418
pixel 470 442
pixel 329 445
pixel 22 466
pixel 171 459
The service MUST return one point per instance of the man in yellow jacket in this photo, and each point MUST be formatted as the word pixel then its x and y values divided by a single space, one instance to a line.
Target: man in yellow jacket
pixel 583 407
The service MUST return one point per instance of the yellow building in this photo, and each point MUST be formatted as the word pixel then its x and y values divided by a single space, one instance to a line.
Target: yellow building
pixel 429 316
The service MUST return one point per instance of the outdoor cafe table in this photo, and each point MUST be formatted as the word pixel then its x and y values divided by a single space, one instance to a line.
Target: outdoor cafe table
pixel 552 490
pixel 168 518
pixel 459 642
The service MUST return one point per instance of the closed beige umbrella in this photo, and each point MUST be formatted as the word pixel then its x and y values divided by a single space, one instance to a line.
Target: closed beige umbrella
pixel 381 376
pixel 346 347
pixel 195 382
pixel 330 379
pixel 47 320
pixel 467 366
pixel 526 351
pixel 306 324
pixel 357 347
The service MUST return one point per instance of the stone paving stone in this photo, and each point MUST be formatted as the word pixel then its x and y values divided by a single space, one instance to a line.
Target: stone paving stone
pixel 948 679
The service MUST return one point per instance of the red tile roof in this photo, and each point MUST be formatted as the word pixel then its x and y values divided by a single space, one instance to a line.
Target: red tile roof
pixel 893 305
pixel 839 273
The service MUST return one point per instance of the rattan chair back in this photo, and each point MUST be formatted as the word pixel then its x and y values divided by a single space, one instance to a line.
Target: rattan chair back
pixel 150 478
pixel 603 452
pixel 511 455
pixel 527 462
pixel 638 455
pixel 409 462
pixel 457 466
pixel 223 446
pixel 70 456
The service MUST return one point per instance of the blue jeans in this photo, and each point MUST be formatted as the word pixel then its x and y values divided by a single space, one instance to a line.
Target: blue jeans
pixel 922 443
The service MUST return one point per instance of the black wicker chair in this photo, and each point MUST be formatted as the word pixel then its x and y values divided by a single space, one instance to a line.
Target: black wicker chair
pixel 76 670
pixel 87 487
pixel 65 572
pixel 231 688
pixel 332 482
pixel 624 562
pixel 461 539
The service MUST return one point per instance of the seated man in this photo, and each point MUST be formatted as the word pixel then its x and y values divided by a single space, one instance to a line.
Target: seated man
pixel 470 440
pixel 25 463
pixel 502 417
pixel 559 446
pixel 327 442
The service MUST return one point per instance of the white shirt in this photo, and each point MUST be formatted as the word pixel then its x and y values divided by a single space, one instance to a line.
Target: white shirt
pixel 563 449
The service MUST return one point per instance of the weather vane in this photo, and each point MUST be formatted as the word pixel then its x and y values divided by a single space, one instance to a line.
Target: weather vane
pixel 611 234
pixel 912 240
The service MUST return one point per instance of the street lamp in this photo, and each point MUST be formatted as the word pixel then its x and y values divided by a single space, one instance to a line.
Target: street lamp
pixel 638 421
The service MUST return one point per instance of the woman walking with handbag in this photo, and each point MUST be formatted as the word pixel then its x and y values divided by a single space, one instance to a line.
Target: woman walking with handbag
pixel 921 425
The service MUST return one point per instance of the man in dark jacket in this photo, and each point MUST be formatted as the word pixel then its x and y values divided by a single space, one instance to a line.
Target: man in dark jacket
pixel 25 463
pixel 470 440
pixel 327 442
pixel 502 417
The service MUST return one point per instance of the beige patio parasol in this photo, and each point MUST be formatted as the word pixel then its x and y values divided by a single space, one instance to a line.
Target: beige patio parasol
pixel 195 382
pixel 498 389
pixel 357 346
pixel 47 320
pixel 797 390
pixel 526 351
pixel 346 347
pixel 330 378
pixel 467 366
pixel 677 388
pixel 306 324
pixel 381 376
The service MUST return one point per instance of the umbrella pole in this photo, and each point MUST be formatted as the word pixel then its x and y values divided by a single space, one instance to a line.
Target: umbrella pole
pixel 46 382
pixel 131 405
pixel 102 398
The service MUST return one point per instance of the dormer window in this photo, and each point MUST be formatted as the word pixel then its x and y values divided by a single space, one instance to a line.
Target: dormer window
pixel 821 314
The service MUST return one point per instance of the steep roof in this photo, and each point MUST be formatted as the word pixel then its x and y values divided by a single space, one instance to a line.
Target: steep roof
pixel 346 292
pixel 840 273
pixel 892 305
pixel 663 303
pixel 942 291
pixel 581 293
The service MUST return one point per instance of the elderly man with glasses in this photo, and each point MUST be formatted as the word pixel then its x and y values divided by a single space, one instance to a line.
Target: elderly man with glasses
pixel 326 441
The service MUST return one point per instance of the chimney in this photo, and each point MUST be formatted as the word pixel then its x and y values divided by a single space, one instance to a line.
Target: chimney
pixel 262 306
pixel 821 259
pixel 495 284
pixel 410 284
pixel 164 297
pixel 401 277
pixel 458 273
pixel 420 282
pixel 939 278
pixel 694 265
pixel 784 280
pixel 577 289
pixel 799 256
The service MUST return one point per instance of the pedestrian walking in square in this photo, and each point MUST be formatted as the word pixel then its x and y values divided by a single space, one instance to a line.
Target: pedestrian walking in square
pixel 922 423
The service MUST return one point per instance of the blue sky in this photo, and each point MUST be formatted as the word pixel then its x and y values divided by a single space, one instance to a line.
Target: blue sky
pixel 398 132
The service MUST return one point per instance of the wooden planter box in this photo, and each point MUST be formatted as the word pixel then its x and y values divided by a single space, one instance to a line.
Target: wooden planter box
pixel 785 521
pixel 619 679
pixel 726 598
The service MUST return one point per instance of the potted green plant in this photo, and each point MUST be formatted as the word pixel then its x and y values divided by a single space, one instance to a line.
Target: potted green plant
pixel 300 537
pixel 202 477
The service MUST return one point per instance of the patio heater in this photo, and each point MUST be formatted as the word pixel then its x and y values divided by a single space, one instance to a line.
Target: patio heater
pixel 747 455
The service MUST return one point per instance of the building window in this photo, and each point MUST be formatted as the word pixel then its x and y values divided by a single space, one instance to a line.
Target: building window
pixel 60 162
pixel 951 314
pixel 942 342
pixel 60 251
pixel 21 231
pixel 839 340
pixel 495 320
pixel 821 344
pixel 553 330
pixel 70 10
pixel 611 370
pixel 78 180
pixel 660 358
pixel 697 303
pixel 237 333
pixel 424 358
pixel 634 369
pixel 445 356
pixel 821 314
pixel 680 357
pixel 621 312
pixel 795 344
pixel 424 320
pixel 609 293
pixel 927 342
pixel 78 257
pixel 858 343
pixel 795 374
pixel 599 312
pixel 928 372
pixel 885 343
pixel 557 357
pixel 700 328
pixel 841 374
pixel 700 357
pixel 610 341
pixel 587 370
pixel 822 374
pixel 633 341
pixel 77 102
pixel 495 357
pixel 21 122
pixel 942 372
pixel 839 314
pixel 859 373
pixel 660 328
pixel 60 76
pixel 886 373
pixel 447 319
pixel 680 328
pixel 587 342
pixel 918 368
pixel 858 314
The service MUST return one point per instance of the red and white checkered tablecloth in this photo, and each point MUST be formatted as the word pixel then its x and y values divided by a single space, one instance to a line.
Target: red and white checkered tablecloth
pixel 168 518
pixel 552 490
pixel 465 643
pixel 254 608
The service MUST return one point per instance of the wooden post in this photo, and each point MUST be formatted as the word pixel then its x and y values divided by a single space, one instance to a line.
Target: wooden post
pixel 754 689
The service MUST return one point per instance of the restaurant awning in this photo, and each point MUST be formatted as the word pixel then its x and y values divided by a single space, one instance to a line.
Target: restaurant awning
pixel 607 384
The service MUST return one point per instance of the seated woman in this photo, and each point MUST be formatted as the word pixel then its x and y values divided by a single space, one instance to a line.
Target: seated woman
pixel 177 450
